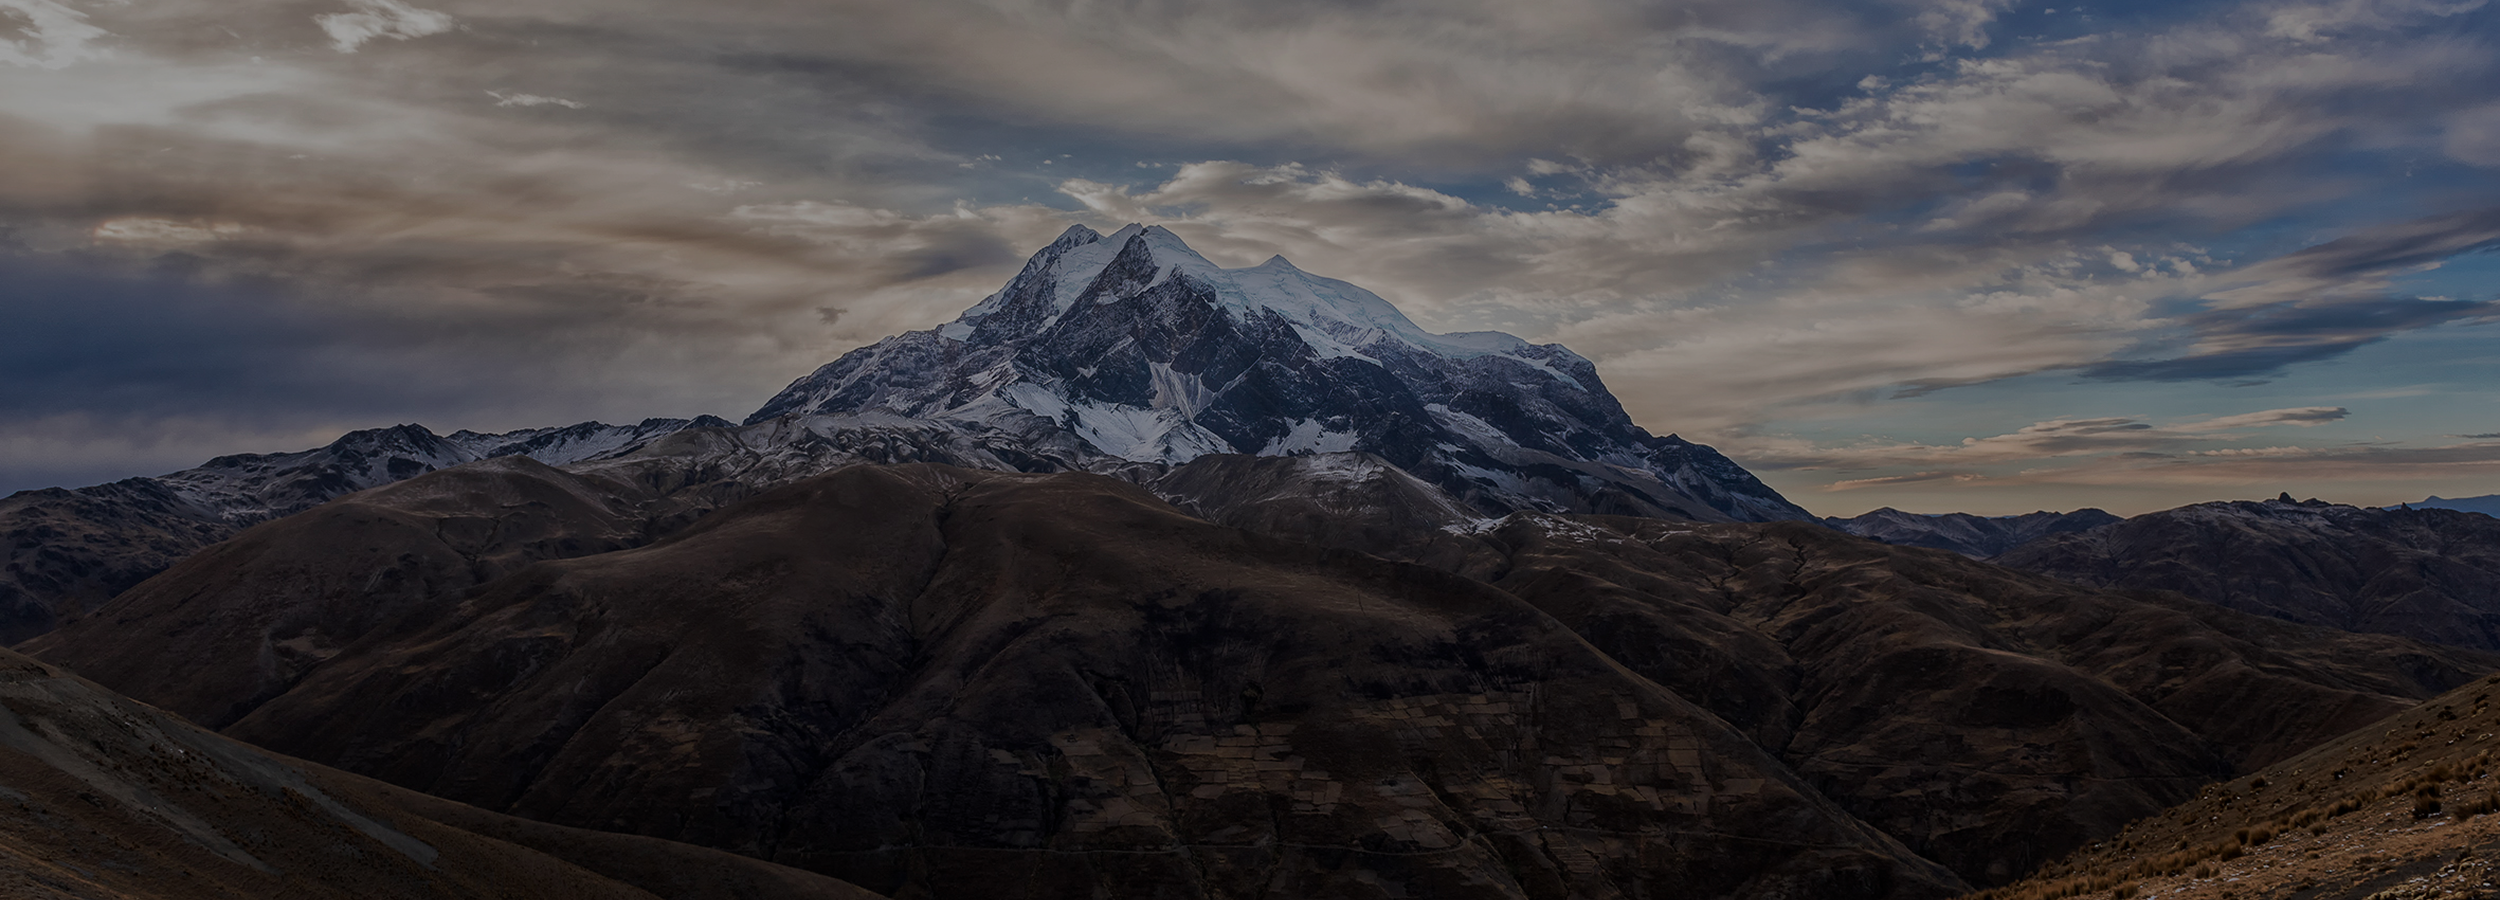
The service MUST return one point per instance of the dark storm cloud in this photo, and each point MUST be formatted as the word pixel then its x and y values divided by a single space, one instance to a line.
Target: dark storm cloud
pixel 83 339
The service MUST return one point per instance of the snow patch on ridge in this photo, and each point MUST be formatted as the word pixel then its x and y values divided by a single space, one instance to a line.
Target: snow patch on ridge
pixel 1143 435
pixel 1310 436
pixel 1179 390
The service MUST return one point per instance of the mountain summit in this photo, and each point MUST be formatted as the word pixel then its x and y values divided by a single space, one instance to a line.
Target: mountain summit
pixel 1143 351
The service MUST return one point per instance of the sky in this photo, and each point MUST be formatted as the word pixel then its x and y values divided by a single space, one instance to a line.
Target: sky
pixel 1942 255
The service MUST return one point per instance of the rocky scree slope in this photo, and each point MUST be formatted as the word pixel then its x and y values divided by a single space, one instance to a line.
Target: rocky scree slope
pixel 2431 574
pixel 1060 681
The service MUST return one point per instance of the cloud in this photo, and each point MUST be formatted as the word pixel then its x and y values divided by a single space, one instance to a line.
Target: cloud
pixel 2473 136
pixel 2326 269
pixel 2244 342
pixel 503 99
pixel 2054 438
pixel 392 19
pixel 2317 303
pixel 2311 23
pixel 82 448
pixel 2277 465
pixel 1958 22
pixel 1759 210
pixel 45 34
pixel 1900 480
pixel 163 233
pixel 2306 417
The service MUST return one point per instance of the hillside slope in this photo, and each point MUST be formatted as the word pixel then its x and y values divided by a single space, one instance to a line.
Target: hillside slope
pixel 2429 574
pixel 2401 810
pixel 102 798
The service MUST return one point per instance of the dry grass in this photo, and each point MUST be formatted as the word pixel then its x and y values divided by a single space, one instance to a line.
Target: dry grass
pixel 2422 770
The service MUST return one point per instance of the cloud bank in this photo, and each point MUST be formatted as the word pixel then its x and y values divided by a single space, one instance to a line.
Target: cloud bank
pixel 1753 214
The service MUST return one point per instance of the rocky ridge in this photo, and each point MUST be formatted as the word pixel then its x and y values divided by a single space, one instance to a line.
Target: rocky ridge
pixel 69 550
pixel 2431 574
pixel 1977 537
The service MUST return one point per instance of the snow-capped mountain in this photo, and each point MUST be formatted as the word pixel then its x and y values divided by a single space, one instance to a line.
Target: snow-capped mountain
pixel 1125 354
pixel 1132 348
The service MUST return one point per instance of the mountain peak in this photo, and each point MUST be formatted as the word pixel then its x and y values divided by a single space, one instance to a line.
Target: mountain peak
pixel 1133 347
pixel 1075 236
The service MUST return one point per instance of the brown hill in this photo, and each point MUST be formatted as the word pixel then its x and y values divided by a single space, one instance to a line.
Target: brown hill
pixel 1006 667
pixel 968 684
pixel 2431 574
pixel 63 552
pixel 1989 719
pixel 102 797
pixel 239 622
pixel 2401 810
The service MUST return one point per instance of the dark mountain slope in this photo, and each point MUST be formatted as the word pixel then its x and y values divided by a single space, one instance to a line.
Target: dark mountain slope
pixel 1988 718
pixel 1353 501
pixel 67 551
pixel 972 684
pixel 102 798
pixel 2432 574
pixel 2401 810
pixel 239 623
